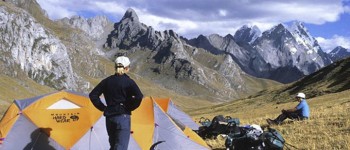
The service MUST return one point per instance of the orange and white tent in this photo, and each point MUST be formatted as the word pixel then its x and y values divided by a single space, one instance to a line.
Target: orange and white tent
pixel 68 120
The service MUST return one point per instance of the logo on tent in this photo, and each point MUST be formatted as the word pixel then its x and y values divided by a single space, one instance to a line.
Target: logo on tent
pixel 65 118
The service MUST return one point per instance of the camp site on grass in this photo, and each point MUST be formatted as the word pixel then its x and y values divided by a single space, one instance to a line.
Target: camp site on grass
pixel 68 120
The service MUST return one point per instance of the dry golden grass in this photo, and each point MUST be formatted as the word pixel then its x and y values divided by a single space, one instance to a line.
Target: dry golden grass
pixel 13 88
pixel 328 128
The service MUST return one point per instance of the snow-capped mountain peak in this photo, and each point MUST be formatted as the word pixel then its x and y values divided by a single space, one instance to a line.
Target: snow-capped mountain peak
pixel 303 37
pixel 277 27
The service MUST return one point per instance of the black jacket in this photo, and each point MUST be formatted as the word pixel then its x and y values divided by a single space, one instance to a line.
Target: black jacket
pixel 121 93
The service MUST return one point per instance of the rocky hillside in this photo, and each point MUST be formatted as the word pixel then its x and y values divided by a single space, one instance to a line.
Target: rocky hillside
pixel 30 47
pixel 47 52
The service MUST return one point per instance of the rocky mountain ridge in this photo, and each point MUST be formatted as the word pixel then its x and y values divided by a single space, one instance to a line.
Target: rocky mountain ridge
pixel 173 61
pixel 283 54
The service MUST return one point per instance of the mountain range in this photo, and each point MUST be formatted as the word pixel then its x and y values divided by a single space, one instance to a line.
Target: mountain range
pixel 75 53
pixel 282 53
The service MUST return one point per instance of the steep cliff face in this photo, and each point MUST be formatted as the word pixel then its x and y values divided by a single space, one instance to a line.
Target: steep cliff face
pixel 27 44
pixel 130 32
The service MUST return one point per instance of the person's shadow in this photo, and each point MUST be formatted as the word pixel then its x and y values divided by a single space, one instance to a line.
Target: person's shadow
pixel 40 140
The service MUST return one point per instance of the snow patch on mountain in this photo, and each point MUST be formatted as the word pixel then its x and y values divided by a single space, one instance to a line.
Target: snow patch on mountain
pixel 301 34
pixel 293 50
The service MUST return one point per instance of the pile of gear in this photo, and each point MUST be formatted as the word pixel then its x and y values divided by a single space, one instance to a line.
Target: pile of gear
pixel 247 137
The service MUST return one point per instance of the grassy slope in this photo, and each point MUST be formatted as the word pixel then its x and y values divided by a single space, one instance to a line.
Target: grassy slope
pixel 13 88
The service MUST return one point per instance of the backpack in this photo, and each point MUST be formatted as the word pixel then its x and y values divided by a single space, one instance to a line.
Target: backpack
pixel 273 139
pixel 233 130
pixel 245 138
pixel 218 125
pixel 204 121
pixel 216 121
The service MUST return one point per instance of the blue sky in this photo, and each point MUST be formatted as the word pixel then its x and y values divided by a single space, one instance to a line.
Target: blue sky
pixel 327 20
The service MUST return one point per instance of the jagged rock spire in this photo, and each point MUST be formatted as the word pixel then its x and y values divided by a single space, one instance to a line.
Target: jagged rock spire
pixel 131 14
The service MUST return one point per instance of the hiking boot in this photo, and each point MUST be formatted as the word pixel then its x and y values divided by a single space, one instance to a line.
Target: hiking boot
pixel 270 121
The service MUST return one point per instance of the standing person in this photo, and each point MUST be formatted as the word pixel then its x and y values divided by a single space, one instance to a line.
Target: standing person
pixel 300 112
pixel 122 96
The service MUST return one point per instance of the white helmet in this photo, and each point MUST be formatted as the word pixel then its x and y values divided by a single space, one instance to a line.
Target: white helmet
pixel 123 60
pixel 301 95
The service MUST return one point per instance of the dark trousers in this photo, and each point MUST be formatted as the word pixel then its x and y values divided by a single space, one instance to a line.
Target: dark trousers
pixel 118 129
pixel 290 115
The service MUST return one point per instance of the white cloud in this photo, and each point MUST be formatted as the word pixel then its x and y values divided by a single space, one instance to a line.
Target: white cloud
pixel 161 23
pixel 308 12
pixel 55 10
pixel 222 12
pixel 329 44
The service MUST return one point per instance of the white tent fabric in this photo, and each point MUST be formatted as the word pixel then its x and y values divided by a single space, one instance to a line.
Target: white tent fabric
pixel 172 135
pixel 180 116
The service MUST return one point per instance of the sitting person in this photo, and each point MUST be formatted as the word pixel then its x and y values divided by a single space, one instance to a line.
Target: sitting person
pixel 300 112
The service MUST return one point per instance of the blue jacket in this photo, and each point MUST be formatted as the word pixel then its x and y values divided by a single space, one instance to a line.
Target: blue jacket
pixel 303 108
